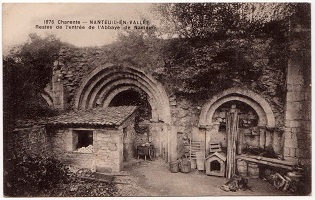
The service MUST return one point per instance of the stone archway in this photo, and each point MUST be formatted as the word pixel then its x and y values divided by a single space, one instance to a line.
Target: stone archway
pixel 259 104
pixel 106 82
pixel 261 108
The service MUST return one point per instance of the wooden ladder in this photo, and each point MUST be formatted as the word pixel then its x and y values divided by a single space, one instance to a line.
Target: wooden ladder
pixel 196 146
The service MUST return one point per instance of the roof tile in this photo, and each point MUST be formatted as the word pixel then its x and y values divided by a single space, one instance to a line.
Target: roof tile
pixel 110 116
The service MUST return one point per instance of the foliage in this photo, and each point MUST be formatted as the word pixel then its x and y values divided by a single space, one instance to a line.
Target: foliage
pixel 81 188
pixel 218 46
pixel 203 67
pixel 27 175
pixel 33 176
pixel 206 20
pixel 221 45
pixel 199 20
pixel 137 48
pixel 26 72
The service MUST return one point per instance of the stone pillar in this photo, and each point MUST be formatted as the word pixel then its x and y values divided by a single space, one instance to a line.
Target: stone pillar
pixel 59 94
pixel 207 131
pixel 297 135
pixel 156 132
pixel 172 131
pixel 211 132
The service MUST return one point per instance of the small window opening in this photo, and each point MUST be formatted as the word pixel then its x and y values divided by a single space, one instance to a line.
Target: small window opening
pixel 83 141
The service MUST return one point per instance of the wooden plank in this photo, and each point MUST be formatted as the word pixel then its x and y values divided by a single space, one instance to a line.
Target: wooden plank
pixel 122 173
pixel 96 179
pixel 279 161
pixel 228 164
pixel 265 162
pixel 232 135
pixel 270 160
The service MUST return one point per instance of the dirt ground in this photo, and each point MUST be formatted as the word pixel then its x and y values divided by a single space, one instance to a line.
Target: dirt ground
pixel 153 178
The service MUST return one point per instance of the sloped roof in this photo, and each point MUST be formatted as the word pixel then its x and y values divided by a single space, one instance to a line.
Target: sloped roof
pixel 110 116
pixel 220 155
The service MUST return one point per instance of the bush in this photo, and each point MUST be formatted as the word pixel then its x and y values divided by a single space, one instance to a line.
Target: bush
pixel 28 175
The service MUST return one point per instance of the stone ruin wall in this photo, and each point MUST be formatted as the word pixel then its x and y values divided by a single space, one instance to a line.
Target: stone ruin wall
pixel 75 64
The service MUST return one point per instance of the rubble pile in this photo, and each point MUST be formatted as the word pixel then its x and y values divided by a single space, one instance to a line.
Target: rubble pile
pixel 88 149
pixel 290 181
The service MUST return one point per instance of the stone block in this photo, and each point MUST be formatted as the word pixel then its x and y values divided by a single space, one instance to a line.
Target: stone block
pixel 307 115
pixel 294 67
pixel 295 79
pixel 299 153
pixel 306 125
pixel 292 152
pixel 296 130
pixel 303 136
pixel 294 124
pixel 293 115
pixel 305 162
pixel 294 135
pixel 307 95
pixel 286 151
pixel 303 153
pixel 294 106
pixel 307 154
pixel 287 134
pixel 290 143
pixel 294 87
pixel 294 160
pixel 295 96
pixel 304 143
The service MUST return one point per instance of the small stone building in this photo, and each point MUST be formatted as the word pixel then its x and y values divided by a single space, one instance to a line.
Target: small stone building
pixel 99 139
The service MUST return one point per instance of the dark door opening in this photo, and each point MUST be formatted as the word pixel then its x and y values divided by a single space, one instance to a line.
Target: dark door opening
pixel 134 98
pixel 215 166
pixel 137 97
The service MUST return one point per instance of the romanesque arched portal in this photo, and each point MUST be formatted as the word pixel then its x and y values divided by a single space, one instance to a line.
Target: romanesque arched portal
pixel 106 82
pixel 254 100
pixel 253 126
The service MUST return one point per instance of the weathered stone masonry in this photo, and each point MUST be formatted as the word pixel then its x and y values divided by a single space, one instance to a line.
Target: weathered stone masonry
pixel 297 143
pixel 79 75
pixel 107 133
pixel 107 144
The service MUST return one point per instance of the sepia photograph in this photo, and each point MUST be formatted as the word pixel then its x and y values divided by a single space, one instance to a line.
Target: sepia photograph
pixel 192 99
